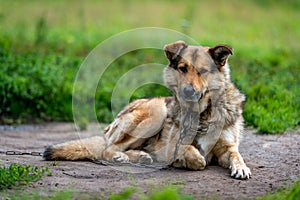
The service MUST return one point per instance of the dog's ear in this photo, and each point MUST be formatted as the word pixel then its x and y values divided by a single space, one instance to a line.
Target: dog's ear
pixel 220 54
pixel 173 50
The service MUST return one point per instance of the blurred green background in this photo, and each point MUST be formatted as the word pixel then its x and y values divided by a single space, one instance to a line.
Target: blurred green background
pixel 43 43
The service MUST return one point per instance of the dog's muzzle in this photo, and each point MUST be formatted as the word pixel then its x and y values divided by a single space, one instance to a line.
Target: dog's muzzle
pixel 189 94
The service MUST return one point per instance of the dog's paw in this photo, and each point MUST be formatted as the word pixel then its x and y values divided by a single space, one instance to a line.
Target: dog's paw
pixel 197 163
pixel 192 159
pixel 240 171
pixel 120 157
pixel 145 158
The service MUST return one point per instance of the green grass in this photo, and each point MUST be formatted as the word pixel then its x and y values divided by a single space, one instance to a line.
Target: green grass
pixel 56 195
pixel 35 86
pixel 41 53
pixel 272 91
pixel 284 194
pixel 168 192
pixel 16 175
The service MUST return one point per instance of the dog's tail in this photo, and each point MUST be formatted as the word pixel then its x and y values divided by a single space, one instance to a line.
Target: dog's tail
pixel 88 148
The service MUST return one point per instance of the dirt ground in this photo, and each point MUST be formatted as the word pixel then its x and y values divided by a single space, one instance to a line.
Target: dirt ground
pixel 273 159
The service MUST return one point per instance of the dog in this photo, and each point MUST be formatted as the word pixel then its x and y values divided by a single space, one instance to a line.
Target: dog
pixel 200 122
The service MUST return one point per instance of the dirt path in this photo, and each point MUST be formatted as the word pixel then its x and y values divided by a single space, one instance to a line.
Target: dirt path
pixel 273 159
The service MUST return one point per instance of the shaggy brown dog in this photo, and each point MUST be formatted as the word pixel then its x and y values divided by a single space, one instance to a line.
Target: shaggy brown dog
pixel 202 120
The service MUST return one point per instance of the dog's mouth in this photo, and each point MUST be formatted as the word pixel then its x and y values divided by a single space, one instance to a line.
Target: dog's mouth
pixel 190 95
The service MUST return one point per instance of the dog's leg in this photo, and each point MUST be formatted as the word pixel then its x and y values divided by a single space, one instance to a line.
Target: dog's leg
pixel 117 151
pixel 114 153
pixel 189 157
pixel 137 156
pixel 163 150
pixel 233 160
pixel 227 153
pixel 138 121
pixel 238 166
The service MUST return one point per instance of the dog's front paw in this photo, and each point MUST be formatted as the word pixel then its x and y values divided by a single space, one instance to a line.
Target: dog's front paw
pixel 240 171
pixel 192 159
pixel 196 163
pixel 145 158
pixel 120 157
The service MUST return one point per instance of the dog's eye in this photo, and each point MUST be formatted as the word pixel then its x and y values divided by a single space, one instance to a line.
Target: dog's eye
pixel 202 71
pixel 183 69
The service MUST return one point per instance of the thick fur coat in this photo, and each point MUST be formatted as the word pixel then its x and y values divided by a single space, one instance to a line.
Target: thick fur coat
pixel 203 120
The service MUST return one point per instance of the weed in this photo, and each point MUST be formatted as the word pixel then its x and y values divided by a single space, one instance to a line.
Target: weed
pixel 284 194
pixel 16 175
pixel 56 195
pixel 55 163
pixel 125 194
pixel 167 193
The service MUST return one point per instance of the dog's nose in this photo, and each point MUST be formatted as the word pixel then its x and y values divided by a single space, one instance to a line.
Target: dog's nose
pixel 188 91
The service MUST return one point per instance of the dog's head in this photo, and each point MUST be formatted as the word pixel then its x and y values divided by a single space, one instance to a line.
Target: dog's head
pixel 191 69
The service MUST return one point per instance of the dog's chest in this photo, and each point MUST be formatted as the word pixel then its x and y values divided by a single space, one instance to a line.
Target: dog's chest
pixel 202 129
pixel 203 124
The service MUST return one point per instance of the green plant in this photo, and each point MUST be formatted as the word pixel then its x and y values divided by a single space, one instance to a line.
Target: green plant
pixel 35 87
pixel 66 194
pixel 16 175
pixel 55 163
pixel 284 194
pixel 167 193
pixel 125 194
pixel 272 103
pixel 55 195
pixel 40 54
